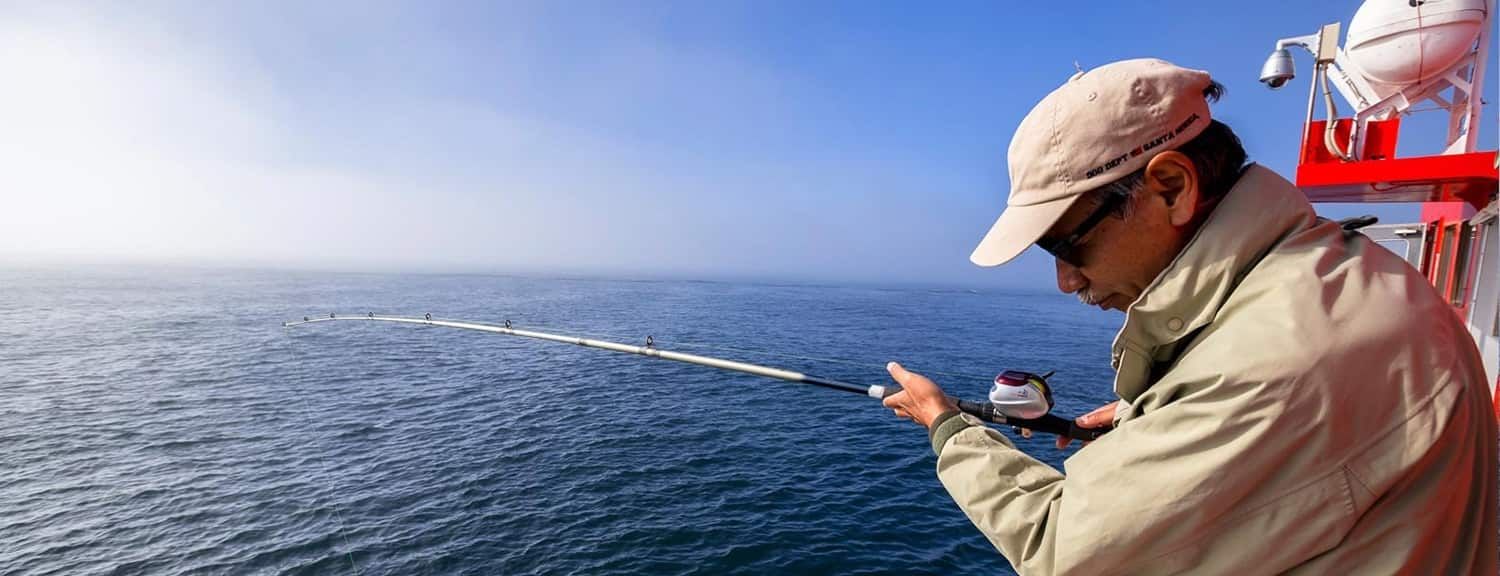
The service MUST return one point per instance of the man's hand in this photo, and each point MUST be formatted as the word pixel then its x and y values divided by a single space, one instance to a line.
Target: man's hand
pixel 920 399
pixel 1101 416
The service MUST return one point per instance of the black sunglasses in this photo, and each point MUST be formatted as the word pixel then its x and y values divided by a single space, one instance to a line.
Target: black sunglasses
pixel 1065 248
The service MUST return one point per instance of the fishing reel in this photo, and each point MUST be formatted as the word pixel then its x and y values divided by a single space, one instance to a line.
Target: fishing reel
pixel 1024 400
pixel 1022 395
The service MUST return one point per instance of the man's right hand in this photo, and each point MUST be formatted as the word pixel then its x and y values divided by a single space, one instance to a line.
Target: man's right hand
pixel 1101 416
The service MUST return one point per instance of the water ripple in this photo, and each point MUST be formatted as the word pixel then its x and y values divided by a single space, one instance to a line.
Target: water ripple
pixel 163 422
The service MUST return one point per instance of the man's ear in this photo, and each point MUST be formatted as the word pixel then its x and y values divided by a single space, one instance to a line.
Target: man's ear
pixel 1172 176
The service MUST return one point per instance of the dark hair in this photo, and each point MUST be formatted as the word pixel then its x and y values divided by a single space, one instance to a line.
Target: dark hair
pixel 1216 153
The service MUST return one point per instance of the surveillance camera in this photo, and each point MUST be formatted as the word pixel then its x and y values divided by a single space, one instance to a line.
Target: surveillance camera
pixel 1278 69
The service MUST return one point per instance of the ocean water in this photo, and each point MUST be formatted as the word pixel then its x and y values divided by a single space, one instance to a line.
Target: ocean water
pixel 164 422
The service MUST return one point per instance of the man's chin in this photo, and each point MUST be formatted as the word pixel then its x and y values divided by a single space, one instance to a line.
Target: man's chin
pixel 1109 303
pixel 1118 302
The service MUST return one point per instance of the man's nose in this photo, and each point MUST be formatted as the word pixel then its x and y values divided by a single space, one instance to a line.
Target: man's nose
pixel 1069 278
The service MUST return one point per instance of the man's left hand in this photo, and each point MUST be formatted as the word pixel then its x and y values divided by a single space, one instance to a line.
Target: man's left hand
pixel 920 399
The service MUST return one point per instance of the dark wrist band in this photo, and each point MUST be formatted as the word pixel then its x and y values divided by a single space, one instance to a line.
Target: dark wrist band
pixel 944 427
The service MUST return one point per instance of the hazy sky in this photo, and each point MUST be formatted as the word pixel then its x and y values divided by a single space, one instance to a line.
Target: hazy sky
pixel 833 141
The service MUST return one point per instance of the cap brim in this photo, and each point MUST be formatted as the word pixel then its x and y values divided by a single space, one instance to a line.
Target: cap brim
pixel 1017 228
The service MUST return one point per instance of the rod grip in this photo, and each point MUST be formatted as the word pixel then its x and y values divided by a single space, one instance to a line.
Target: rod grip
pixel 1054 424
pixel 1049 423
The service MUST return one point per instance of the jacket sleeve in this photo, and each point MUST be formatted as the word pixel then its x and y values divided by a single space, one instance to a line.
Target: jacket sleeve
pixel 1173 490
pixel 1007 494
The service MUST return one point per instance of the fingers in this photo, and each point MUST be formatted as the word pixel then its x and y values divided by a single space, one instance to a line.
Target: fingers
pixel 899 374
pixel 918 387
pixel 1100 416
pixel 922 399
pixel 894 400
pixel 902 401
pixel 898 403
pixel 1092 419
pixel 901 412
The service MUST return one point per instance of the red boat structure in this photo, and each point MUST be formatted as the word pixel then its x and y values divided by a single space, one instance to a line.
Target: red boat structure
pixel 1399 58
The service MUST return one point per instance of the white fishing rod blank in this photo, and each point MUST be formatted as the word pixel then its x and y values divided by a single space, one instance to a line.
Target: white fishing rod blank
pixel 987 411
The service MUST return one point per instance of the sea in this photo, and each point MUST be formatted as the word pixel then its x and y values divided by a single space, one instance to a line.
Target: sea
pixel 163 421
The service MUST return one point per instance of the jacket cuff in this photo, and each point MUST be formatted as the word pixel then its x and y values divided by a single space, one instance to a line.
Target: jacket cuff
pixel 944 427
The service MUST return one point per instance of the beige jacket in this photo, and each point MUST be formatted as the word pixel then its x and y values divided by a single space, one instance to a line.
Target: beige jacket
pixel 1298 400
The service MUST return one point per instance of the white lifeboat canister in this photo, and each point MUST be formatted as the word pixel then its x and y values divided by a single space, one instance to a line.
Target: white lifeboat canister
pixel 1402 42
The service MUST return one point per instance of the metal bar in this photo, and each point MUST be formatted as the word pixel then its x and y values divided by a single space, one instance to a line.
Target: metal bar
pixel 1476 78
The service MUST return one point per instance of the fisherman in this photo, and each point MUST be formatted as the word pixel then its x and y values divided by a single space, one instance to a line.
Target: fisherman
pixel 1292 397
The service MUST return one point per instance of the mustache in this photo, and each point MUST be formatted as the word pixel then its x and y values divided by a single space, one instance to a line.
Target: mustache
pixel 1087 297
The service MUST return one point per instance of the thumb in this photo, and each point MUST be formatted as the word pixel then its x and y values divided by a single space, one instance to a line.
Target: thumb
pixel 1098 417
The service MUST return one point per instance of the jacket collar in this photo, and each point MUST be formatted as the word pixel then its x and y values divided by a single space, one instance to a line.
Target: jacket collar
pixel 1259 211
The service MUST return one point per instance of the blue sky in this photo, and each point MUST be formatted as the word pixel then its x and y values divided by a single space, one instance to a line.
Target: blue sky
pixel 852 141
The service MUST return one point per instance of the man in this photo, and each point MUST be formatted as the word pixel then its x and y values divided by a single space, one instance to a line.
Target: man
pixel 1293 398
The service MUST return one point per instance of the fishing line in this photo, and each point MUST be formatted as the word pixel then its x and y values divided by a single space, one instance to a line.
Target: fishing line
pixel 1018 398
pixel 333 494
pixel 217 423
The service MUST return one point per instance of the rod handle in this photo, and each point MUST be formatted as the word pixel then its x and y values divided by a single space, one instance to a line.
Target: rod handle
pixel 1054 424
pixel 1049 423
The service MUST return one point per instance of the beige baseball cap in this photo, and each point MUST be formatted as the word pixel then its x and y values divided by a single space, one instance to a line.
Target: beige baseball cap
pixel 1098 127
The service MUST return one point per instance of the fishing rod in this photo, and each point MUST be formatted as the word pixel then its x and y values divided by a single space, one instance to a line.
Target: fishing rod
pixel 1018 399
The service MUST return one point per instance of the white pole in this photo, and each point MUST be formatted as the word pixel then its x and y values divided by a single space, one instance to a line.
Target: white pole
pixel 984 410
pixel 647 350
